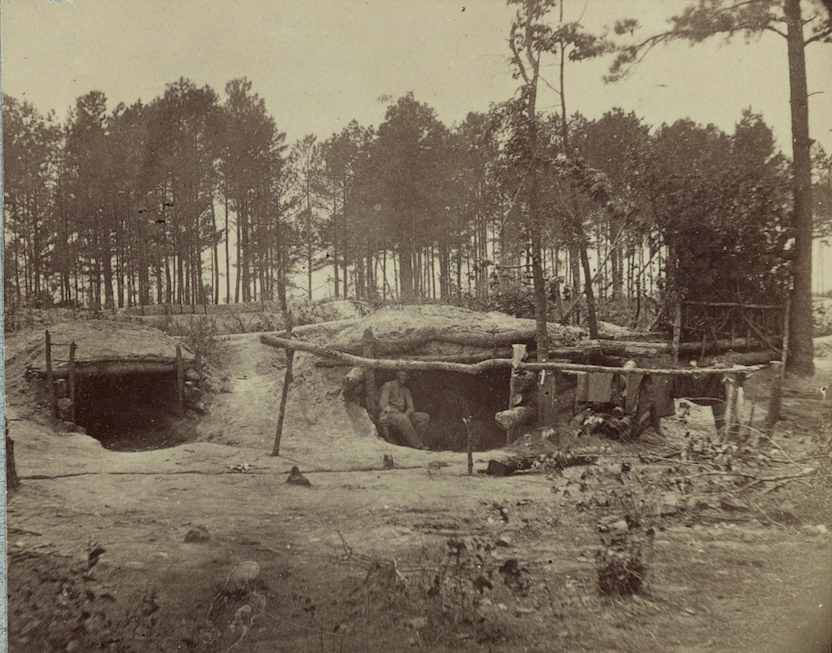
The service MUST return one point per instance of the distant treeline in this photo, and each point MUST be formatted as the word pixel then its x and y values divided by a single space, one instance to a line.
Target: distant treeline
pixel 197 198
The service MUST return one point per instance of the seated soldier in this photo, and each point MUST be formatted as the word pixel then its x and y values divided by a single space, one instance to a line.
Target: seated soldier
pixel 397 410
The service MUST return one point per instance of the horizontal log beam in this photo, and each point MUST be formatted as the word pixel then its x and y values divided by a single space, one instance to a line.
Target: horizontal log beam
pixel 384 363
pixel 764 307
pixel 494 363
pixel 693 371
pixel 114 368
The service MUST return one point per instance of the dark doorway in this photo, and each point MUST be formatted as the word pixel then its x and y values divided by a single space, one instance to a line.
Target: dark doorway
pixel 449 396
pixel 129 412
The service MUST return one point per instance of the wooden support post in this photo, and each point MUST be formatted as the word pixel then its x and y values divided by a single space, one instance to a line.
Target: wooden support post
pixel 677 331
pixel 470 445
pixel 368 342
pixel 518 352
pixel 775 399
pixel 284 394
pixel 287 382
pixel 180 380
pixel 547 397
pixel 72 347
pixel 50 378
pixel 784 357
pixel 730 405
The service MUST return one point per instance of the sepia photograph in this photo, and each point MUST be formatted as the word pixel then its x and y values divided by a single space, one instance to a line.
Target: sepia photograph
pixel 346 326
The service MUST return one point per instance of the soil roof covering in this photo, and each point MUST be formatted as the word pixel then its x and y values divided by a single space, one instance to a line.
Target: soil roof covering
pixel 102 346
pixel 442 330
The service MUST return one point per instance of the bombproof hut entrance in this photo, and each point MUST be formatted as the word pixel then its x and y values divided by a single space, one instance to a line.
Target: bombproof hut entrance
pixel 127 387
pixel 449 397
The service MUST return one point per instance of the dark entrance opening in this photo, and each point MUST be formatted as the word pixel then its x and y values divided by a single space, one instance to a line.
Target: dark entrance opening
pixel 449 396
pixel 129 412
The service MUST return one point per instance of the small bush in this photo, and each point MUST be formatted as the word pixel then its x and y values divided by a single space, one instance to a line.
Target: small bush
pixel 622 561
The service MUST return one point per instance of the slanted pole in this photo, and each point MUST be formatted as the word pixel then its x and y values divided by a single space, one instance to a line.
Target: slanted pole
pixel 72 347
pixel 284 394
pixel 287 381
pixel 50 378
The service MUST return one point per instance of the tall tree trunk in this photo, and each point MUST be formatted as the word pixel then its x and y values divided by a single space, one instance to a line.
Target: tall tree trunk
pixel 406 273
pixel 800 346
pixel 227 254
pixel 335 276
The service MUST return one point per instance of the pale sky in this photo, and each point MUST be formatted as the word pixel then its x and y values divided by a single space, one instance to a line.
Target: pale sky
pixel 320 63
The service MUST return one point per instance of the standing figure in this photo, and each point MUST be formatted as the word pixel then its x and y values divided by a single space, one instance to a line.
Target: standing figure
pixel 397 410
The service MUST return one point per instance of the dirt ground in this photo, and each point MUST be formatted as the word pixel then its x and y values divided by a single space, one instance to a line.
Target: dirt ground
pixel 205 547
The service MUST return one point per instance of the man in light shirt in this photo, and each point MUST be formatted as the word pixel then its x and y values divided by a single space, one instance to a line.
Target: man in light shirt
pixel 397 410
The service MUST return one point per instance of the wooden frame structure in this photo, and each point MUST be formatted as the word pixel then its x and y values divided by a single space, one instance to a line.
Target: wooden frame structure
pixel 733 376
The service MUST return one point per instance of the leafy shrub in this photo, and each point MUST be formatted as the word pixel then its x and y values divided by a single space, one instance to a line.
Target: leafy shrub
pixel 622 561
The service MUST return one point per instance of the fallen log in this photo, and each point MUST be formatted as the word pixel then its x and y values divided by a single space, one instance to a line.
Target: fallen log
pixel 551 462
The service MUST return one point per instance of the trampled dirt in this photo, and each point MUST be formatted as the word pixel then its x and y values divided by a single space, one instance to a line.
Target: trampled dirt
pixel 151 550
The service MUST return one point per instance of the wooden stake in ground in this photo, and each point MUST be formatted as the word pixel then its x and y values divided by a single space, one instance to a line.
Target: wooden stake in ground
pixel 730 405
pixel 180 381
pixel 470 447
pixel 284 394
pixel 50 379
pixel 775 394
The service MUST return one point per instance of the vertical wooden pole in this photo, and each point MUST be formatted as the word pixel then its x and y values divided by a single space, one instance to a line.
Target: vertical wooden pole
pixel 72 382
pixel 470 443
pixel 180 380
pixel 368 344
pixel 784 357
pixel 776 394
pixel 730 405
pixel 518 352
pixel 677 331
pixel 50 379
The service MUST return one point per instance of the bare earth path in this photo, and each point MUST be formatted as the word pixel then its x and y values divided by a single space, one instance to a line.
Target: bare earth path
pixel 717 585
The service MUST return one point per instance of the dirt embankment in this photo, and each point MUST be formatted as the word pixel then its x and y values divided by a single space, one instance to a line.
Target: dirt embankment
pixel 205 547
